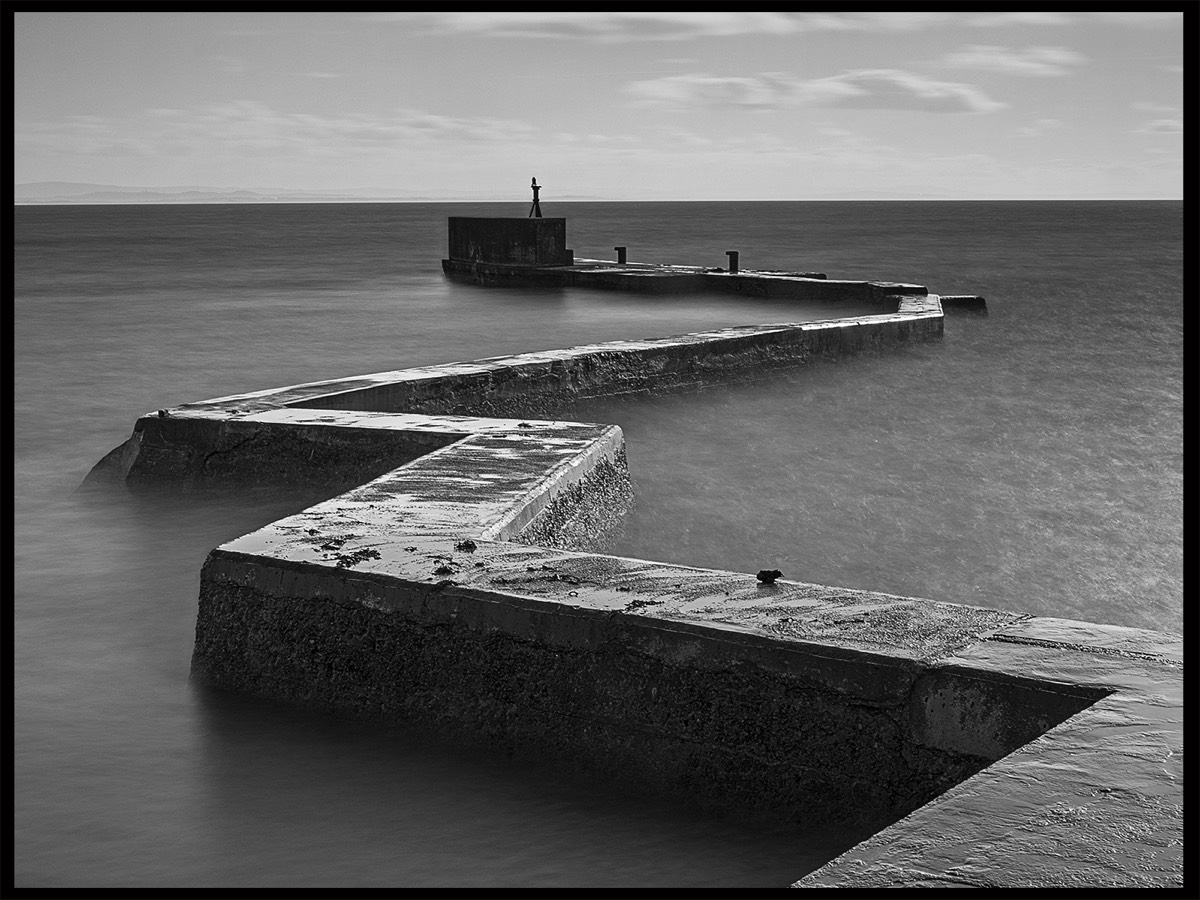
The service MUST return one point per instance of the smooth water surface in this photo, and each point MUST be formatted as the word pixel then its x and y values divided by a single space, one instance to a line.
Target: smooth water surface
pixel 1032 460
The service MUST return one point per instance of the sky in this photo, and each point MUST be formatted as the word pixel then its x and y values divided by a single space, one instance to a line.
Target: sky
pixel 622 106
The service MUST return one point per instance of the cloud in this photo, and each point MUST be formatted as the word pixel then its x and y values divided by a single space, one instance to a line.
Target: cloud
pixel 1052 19
pixel 602 26
pixel 1031 61
pixel 856 89
pixel 251 128
pixel 1039 127
pixel 323 74
pixel 897 89
pixel 996 20
pixel 1138 19
pixel 658 26
pixel 766 90
pixel 1161 126
pixel 677 26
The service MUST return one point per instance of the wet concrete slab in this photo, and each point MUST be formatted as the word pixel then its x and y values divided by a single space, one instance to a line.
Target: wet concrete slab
pixel 1096 802
pixel 991 748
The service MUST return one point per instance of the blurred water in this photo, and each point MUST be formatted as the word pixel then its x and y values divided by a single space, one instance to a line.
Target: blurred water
pixel 1032 461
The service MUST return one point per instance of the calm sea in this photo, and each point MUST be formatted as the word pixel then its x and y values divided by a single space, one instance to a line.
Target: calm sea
pixel 1031 461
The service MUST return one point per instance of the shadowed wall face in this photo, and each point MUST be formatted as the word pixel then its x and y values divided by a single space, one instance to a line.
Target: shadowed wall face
pixel 510 241
pixel 781 731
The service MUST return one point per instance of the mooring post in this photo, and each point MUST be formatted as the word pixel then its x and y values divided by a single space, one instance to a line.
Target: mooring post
pixel 620 255
pixel 733 261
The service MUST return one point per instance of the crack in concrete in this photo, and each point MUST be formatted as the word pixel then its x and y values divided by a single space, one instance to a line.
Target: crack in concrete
pixel 214 453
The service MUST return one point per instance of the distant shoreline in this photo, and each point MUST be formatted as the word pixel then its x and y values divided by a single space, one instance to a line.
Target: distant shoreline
pixel 364 200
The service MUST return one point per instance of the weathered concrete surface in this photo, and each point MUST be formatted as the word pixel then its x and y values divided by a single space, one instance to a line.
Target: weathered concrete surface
pixel 519 649
pixel 660 278
pixel 543 383
pixel 278 435
pixel 1019 751
pixel 509 241
pixel 793 701
pixel 703 685
pixel 587 514
pixel 1095 802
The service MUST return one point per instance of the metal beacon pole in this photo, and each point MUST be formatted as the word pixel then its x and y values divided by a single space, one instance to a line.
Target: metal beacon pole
pixel 535 211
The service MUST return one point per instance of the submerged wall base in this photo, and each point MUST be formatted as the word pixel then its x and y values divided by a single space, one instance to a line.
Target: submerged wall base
pixel 724 717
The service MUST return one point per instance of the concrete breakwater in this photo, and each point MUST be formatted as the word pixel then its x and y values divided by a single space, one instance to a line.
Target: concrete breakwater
pixel 275 435
pixel 458 589
pixel 533 253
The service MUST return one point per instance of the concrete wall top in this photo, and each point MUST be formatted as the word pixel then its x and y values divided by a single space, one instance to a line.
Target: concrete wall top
pixel 350 391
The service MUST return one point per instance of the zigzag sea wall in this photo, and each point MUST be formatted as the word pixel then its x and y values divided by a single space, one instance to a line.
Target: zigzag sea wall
pixel 456 585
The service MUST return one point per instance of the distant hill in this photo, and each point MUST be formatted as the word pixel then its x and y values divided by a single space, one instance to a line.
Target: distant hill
pixel 59 190
pixel 82 192
pixel 68 192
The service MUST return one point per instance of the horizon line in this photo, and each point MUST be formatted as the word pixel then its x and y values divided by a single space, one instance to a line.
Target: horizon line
pixel 347 200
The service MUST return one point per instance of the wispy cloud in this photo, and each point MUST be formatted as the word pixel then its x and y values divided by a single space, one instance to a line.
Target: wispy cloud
pixel 1138 19
pixel 603 26
pixel 858 89
pixel 249 127
pixel 676 26
pixel 1005 19
pixel 659 26
pixel 765 90
pixel 1032 61
pixel 1169 118
pixel 1161 126
pixel 1039 127
pixel 1052 19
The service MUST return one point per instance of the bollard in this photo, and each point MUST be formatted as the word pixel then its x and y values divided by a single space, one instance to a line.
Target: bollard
pixel 620 255
pixel 733 261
